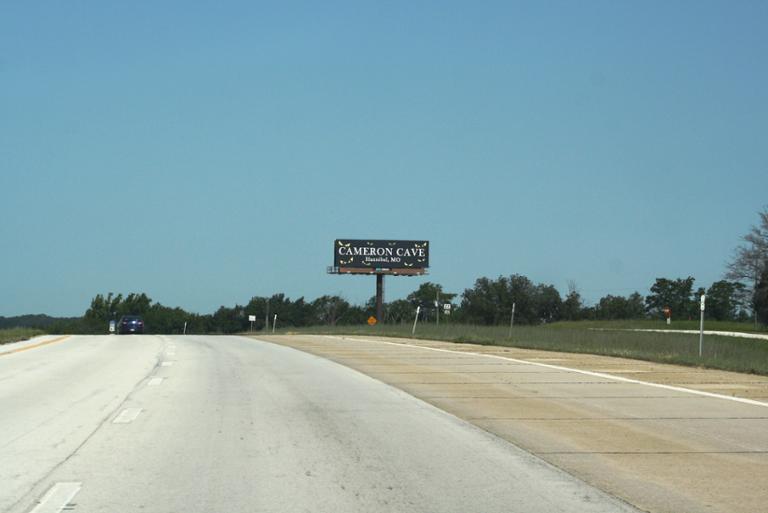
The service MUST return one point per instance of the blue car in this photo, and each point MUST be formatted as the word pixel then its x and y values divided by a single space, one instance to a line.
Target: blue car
pixel 130 324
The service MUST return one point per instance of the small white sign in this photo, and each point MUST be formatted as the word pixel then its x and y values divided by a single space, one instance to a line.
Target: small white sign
pixel 703 298
pixel 251 318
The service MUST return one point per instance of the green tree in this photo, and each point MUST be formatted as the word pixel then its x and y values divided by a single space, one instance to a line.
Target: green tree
pixel 103 309
pixel 428 293
pixel 635 306
pixel 724 300
pixel 357 314
pixel 760 300
pixel 573 306
pixel 258 307
pixel 229 320
pixel 290 313
pixel 135 304
pixel 400 311
pixel 619 307
pixel 302 313
pixel 548 303
pixel 612 307
pixel 750 259
pixel 329 309
pixel 675 294
pixel 490 301
pixel 164 319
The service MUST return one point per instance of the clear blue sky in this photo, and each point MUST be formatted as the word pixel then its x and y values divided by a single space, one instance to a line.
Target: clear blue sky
pixel 207 152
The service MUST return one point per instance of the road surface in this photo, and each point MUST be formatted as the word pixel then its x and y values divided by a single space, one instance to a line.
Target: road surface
pixel 665 438
pixel 205 424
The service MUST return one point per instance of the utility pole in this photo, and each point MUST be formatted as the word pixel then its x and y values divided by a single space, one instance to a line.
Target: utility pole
pixel 266 318
pixel 437 308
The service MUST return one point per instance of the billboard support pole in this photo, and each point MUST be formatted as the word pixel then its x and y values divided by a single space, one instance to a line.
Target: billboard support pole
pixel 380 297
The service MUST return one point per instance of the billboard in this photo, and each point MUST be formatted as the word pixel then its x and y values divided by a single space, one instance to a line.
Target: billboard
pixel 374 255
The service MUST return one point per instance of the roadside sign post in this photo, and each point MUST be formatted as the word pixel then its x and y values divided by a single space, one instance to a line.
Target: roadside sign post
pixel 668 314
pixel 274 323
pixel 185 328
pixel 701 325
pixel 251 319
pixel 418 310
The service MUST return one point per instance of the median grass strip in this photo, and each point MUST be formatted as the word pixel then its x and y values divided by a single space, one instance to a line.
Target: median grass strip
pixel 719 352
pixel 17 334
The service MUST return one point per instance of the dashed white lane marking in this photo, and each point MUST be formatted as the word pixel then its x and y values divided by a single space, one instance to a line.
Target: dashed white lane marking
pixel 127 415
pixel 57 498
pixel 166 364
pixel 568 369
pixel 171 353
pixel 154 382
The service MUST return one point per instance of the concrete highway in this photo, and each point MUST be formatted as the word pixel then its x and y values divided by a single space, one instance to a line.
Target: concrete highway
pixel 205 424
pixel 666 438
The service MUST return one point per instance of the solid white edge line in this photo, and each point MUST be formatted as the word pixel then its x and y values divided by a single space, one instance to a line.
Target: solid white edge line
pixel 735 334
pixel 57 498
pixel 568 369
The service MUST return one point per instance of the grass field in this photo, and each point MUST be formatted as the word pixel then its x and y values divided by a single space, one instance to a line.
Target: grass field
pixel 719 352
pixel 16 334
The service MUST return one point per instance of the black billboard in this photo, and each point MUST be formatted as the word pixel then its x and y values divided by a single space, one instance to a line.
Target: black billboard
pixel 381 254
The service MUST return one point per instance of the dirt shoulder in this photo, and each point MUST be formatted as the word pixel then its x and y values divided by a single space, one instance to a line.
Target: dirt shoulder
pixel 606 420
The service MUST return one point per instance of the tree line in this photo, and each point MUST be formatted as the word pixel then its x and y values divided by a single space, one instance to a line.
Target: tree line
pixel 488 302
pixel 742 294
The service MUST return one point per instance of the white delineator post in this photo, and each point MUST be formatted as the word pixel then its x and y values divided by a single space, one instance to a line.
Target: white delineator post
pixel 274 322
pixel 418 309
pixel 701 325
pixel 512 320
